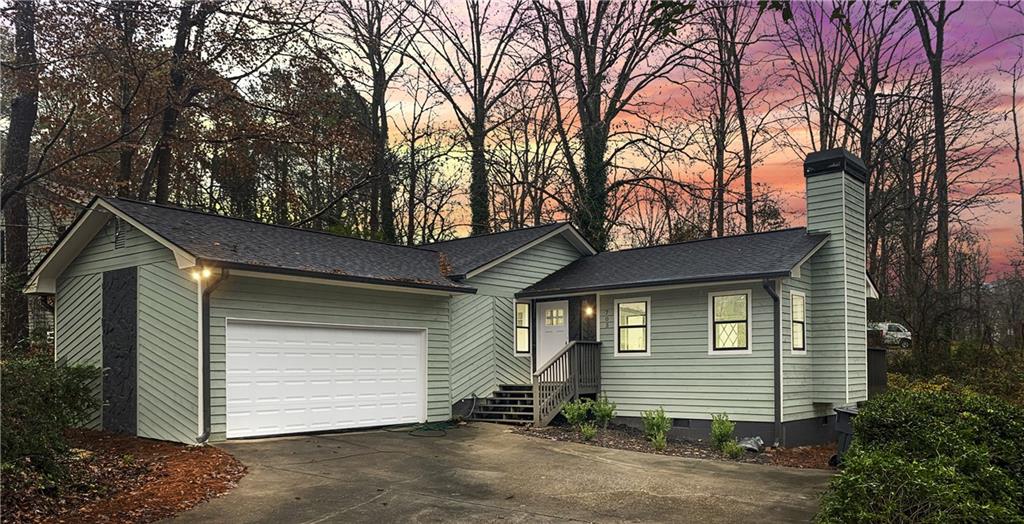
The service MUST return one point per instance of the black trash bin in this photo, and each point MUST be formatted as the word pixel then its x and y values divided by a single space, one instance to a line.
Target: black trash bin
pixel 844 432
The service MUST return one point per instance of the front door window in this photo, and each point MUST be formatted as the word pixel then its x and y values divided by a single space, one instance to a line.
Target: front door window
pixel 552 329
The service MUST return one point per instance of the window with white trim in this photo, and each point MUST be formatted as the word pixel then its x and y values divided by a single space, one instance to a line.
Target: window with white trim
pixel 632 326
pixel 730 322
pixel 522 328
pixel 798 315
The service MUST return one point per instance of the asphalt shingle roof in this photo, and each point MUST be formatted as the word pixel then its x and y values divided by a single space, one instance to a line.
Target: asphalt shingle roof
pixel 738 257
pixel 466 254
pixel 248 244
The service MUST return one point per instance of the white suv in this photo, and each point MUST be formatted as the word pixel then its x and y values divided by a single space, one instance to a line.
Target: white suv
pixel 894 334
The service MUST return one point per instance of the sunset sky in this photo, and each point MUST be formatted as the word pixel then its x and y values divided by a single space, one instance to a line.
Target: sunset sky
pixel 979 28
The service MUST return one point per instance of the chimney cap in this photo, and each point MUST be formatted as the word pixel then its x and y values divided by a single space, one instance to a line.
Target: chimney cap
pixel 834 160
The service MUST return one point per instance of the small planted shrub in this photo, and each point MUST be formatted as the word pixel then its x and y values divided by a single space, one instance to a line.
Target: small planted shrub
pixel 722 431
pixel 733 450
pixel 588 430
pixel 577 411
pixel 656 426
pixel 659 442
pixel 604 411
pixel 931 456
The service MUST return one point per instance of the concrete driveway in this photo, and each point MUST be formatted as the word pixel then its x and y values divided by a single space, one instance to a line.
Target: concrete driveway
pixel 482 472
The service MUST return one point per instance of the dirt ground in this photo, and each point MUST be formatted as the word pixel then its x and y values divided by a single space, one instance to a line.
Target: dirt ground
pixel 632 439
pixel 119 478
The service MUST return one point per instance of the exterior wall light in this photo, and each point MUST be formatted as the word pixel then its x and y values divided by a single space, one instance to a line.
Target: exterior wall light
pixel 201 274
pixel 588 311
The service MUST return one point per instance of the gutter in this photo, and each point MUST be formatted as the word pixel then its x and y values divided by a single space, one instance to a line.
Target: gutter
pixel 342 278
pixel 205 357
pixel 769 287
pixel 653 283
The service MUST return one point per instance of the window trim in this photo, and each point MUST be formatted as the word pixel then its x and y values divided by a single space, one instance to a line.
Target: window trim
pixel 792 348
pixel 647 325
pixel 711 322
pixel 516 327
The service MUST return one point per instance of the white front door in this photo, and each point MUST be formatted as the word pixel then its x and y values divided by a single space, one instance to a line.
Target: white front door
pixel 291 378
pixel 552 329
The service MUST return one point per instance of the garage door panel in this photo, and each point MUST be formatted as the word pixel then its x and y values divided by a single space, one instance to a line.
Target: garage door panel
pixel 287 378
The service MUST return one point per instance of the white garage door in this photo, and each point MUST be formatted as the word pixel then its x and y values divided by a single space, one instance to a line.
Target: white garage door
pixel 284 378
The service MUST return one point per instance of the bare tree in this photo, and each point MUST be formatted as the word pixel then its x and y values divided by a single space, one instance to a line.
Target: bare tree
pixel 610 53
pixel 23 112
pixel 470 65
pixel 931 21
pixel 365 42
pixel 1016 73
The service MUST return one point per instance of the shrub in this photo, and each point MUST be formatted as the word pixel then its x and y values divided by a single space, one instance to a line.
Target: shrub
pixel 41 400
pixel 588 430
pixel 659 441
pixel 931 456
pixel 721 431
pixel 656 426
pixel 604 410
pixel 577 411
pixel 732 450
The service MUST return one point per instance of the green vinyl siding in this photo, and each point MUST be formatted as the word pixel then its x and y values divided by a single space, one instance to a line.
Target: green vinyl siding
pixel 679 374
pixel 270 299
pixel 169 352
pixel 835 204
pixel 167 344
pixel 78 333
pixel 483 330
pixel 797 367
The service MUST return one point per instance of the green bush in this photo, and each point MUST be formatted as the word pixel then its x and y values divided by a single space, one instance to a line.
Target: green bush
pixel 656 426
pixel 659 441
pixel 40 401
pixel 588 430
pixel 930 456
pixel 604 410
pixel 732 450
pixel 721 431
pixel 577 411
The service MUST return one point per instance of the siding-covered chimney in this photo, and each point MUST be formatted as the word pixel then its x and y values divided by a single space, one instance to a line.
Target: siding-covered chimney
pixel 837 335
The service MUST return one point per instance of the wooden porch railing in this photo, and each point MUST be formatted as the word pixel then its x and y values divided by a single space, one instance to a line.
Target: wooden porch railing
pixel 573 371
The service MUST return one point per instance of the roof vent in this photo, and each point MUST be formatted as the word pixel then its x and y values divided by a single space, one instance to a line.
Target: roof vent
pixel 118 234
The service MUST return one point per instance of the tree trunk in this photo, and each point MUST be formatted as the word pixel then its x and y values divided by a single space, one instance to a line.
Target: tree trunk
pixel 593 203
pixel 126 20
pixel 479 193
pixel 159 164
pixel 1017 146
pixel 24 108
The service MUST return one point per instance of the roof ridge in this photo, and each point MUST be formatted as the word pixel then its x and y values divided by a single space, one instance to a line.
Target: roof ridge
pixel 696 240
pixel 472 237
pixel 257 222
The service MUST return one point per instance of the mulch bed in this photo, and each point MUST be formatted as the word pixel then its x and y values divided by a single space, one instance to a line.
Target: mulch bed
pixel 632 439
pixel 119 478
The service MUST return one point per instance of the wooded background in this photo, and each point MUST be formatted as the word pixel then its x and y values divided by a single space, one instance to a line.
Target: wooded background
pixel 411 121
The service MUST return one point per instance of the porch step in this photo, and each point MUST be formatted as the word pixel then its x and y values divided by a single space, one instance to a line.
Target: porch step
pixel 509 404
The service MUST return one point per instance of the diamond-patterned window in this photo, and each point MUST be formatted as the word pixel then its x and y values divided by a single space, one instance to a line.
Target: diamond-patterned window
pixel 631 323
pixel 730 322
pixel 522 328
pixel 799 314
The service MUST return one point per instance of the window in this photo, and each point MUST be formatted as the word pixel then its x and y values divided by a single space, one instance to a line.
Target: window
pixel 730 326
pixel 798 313
pixel 896 328
pixel 632 333
pixel 554 316
pixel 522 328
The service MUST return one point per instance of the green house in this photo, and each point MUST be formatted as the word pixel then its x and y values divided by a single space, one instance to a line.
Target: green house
pixel 210 327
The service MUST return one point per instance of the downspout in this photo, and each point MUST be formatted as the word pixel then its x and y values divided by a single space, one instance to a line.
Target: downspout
pixel 205 299
pixel 769 287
